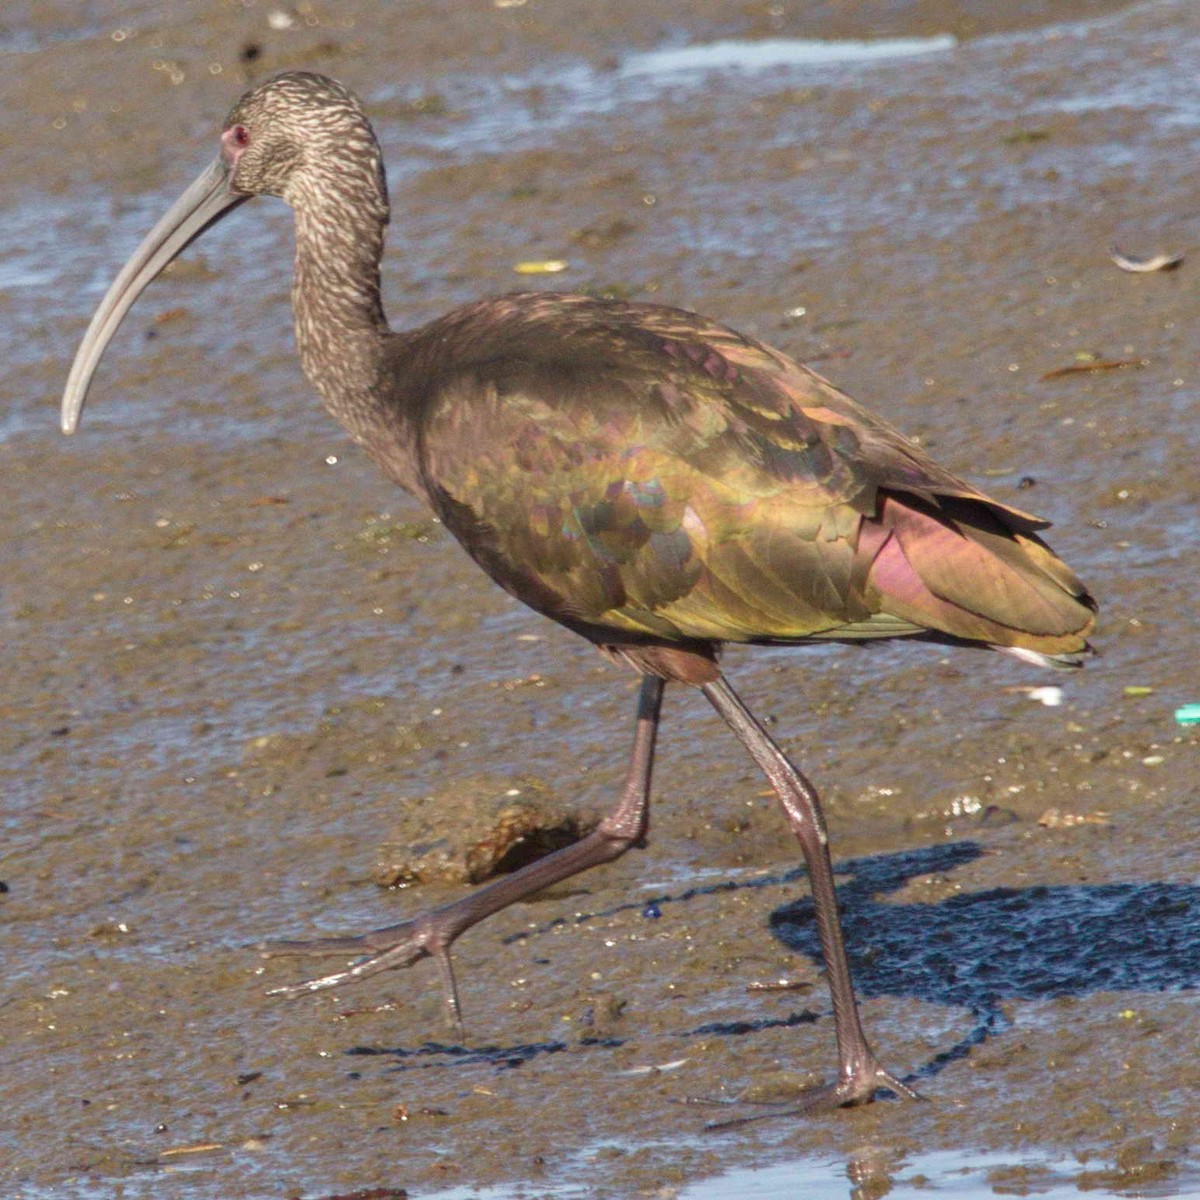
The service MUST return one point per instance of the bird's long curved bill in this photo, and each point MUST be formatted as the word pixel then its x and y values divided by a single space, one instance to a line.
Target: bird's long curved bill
pixel 203 204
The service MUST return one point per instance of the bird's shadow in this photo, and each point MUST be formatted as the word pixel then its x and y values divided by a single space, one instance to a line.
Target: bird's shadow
pixel 973 950
pixel 976 950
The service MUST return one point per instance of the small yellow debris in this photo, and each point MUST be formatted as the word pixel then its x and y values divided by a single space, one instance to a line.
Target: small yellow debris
pixel 546 266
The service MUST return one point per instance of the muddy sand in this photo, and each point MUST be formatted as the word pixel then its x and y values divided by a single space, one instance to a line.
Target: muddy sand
pixel 236 657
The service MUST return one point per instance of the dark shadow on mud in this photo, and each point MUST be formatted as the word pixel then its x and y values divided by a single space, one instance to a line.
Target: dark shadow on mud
pixel 973 951
pixel 980 949
pixel 441 1054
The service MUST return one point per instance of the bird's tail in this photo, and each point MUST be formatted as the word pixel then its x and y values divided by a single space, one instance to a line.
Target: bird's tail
pixel 955 566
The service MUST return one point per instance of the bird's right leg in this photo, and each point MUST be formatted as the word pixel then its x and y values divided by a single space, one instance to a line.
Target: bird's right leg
pixel 860 1073
pixel 431 934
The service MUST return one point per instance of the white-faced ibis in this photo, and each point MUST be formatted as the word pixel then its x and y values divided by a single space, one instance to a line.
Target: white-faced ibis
pixel 648 478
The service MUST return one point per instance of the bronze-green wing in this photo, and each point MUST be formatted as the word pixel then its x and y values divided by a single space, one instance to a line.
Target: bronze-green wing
pixel 654 475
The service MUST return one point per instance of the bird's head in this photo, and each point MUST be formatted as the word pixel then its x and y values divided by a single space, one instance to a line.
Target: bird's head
pixel 299 136
pixel 304 137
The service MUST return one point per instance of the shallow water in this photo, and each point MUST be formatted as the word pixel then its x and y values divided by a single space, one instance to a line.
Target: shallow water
pixel 234 652
pixel 775 54
pixel 944 1174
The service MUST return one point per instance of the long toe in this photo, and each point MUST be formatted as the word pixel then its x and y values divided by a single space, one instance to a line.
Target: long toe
pixel 402 955
pixel 406 933
pixel 313 948
pixel 860 1088
pixel 385 949
pixel 885 1079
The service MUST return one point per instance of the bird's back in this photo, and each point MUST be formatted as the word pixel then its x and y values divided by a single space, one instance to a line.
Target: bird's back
pixel 642 474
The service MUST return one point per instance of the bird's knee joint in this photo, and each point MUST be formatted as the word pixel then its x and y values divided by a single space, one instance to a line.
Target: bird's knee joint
pixel 617 838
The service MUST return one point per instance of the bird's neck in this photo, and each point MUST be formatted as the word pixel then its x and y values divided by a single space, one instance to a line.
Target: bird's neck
pixel 341 330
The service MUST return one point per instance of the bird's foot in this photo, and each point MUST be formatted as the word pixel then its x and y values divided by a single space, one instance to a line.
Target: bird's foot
pixel 857 1088
pixel 386 949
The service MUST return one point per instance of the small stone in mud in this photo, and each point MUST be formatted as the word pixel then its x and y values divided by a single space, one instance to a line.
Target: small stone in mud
pixel 476 828
pixel 601 1013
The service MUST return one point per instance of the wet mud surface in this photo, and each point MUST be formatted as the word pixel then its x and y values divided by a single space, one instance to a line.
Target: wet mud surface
pixel 235 656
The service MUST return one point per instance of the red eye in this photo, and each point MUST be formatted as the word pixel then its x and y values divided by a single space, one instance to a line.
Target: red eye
pixel 240 136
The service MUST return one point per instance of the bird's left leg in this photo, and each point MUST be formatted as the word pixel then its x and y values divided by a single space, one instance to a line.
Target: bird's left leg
pixel 860 1073
pixel 430 934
